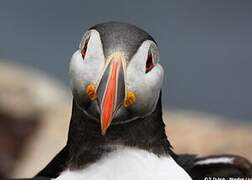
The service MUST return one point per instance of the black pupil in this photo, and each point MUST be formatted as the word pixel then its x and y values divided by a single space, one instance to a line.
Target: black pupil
pixel 149 63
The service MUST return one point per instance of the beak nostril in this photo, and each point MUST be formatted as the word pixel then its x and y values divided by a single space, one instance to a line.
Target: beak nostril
pixel 130 99
pixel 91 91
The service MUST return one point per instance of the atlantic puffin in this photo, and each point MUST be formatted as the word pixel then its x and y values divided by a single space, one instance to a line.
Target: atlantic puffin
pixel 116 129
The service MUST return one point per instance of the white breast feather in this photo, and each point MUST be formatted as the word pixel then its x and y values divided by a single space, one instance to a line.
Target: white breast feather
pixel 129 164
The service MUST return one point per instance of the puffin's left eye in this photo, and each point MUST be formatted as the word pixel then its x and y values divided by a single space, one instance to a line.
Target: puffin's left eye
pixel 84 50
pixel 149 63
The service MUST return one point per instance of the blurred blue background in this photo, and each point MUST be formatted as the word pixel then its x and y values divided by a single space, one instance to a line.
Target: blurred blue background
pixel 205 46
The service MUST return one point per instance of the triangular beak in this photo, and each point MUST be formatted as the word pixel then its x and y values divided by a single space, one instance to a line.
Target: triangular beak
pixel 111 91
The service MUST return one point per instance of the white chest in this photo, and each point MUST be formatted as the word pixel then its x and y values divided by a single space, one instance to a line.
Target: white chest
pixel 129 164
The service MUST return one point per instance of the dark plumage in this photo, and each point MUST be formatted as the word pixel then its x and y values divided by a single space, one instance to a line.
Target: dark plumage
pixel 86 145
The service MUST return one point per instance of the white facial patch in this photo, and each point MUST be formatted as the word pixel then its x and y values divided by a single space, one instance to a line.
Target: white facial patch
pixel 146 86
pixel 129 164
pixel 86 71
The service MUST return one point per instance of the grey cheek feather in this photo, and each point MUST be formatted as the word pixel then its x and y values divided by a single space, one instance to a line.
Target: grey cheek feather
pixel 147 86
pixel 86 71
pixel 147 90
pixel 80 78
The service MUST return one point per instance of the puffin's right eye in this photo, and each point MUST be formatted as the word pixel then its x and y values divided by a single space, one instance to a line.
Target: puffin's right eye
pixel 149 63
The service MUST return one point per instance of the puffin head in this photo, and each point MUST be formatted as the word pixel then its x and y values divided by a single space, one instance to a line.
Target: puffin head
pixel 115 74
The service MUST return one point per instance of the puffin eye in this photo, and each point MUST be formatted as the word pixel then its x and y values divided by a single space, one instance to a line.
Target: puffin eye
pixel 84 50
pixel 149 63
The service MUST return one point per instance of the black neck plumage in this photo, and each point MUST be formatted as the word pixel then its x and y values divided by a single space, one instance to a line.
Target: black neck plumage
pixel 86 144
